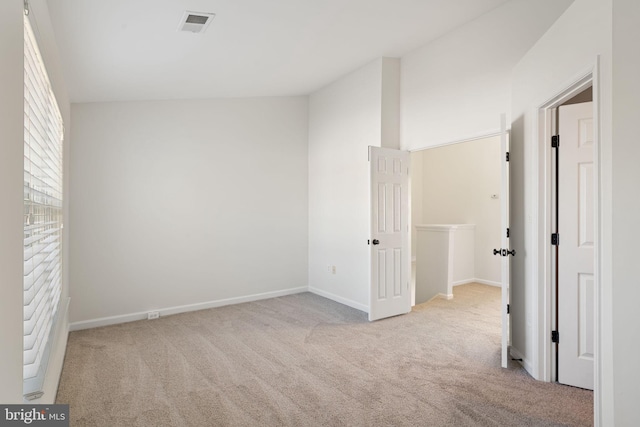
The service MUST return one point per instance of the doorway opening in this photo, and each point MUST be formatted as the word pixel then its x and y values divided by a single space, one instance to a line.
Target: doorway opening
pixel 456 189
pixel 553 247
pixel 573 205
pixel 573 177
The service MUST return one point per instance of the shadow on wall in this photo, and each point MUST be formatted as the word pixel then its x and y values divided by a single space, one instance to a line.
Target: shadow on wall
pixel 517 219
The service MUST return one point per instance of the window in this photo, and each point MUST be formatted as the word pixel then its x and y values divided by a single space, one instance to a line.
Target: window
pixel 43 136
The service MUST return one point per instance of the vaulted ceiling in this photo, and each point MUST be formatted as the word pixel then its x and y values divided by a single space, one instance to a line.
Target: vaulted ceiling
pixel 131 49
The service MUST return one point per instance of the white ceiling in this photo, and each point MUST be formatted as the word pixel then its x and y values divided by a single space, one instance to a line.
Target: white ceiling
pixel 130 49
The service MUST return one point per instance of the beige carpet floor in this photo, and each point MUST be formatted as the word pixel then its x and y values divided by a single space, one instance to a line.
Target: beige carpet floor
pixel 303 360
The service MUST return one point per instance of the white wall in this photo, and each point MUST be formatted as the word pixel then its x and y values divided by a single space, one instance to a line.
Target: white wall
pixel 186 203
pixel 626 205
pixel 456 87
pixel 457 183
pixel 345 118
pixel 565 53
pixel 11 183
pixel 390 103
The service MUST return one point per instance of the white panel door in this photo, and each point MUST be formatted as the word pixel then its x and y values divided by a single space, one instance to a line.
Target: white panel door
pixel 390 257
pixel 576 229
pixel 506 253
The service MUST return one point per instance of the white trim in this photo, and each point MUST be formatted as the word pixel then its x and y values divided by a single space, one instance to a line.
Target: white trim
pixel 339 299
pixel 438 296
pixel 476 280
pixel 463 282
pixel 468 138
pixel 56 357
pixel 599 261
pixel 124 318
pixel 604 413
pixel 546 223
pixel 543 321
pixel 542 160
pixel 488 282
pixel 445 228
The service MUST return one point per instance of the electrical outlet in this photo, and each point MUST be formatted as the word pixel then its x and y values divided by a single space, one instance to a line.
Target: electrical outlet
pixel 333 269
pixel 153 315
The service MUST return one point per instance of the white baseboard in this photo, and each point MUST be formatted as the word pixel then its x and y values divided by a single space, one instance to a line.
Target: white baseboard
pixel 440 296
pixel 463 282
pixel 488 282
pixel 515 354
pixel 476 280
pixel 124 318
pixel 339 299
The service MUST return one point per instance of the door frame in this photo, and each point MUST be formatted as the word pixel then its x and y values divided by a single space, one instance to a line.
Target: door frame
pixel 498 133
pixel 417 150
pixel 545 128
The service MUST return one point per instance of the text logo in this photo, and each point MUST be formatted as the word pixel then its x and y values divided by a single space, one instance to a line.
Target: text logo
pixel 34 415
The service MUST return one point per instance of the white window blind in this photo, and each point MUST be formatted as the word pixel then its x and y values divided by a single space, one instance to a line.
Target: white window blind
pixel 43 136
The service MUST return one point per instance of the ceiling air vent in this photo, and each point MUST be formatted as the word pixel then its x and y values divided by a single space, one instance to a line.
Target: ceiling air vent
pixel 195 22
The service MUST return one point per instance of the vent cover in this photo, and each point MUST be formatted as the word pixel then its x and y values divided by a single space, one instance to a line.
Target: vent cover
pixel 195 22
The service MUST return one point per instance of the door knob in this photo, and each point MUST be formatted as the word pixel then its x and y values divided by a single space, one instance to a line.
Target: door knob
pixel 504 252
pixel 376 242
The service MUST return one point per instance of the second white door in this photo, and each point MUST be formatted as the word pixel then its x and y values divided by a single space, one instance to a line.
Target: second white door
pixel 576 230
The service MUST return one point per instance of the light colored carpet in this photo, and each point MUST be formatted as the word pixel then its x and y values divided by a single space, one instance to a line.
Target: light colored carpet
pixel 303 360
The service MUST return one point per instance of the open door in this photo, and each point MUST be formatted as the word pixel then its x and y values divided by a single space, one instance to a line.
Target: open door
pixel 576 227
pixel 389 293
pixel 504 252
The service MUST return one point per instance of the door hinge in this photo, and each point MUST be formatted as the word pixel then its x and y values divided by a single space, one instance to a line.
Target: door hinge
pixel 507 156
pixel 508 309
pixel 555 239
pixel 555 337
pixel 555 141
pixel 507 233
